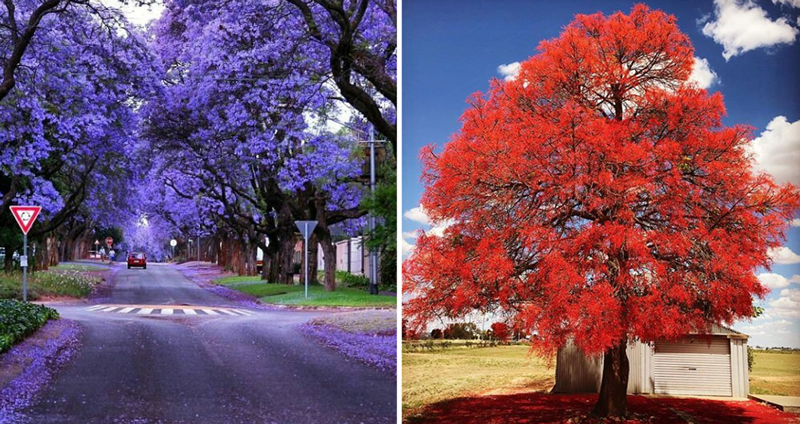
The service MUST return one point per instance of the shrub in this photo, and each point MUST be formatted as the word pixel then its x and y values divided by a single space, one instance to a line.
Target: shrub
pixel 352 280
pixel 19 319
pixel 751 358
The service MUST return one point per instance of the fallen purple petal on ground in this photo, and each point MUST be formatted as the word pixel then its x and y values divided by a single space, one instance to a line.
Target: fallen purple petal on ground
pixel 45 361
pixel 102 292
pixel 203 277
pixel 379 350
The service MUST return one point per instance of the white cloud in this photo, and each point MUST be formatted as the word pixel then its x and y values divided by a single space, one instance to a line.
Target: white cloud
pixel 795 222
pixel 783 255
pixel 771 327
pixel 791 3
pixel 407 248
pixel 741 26
pixel 773 281
pixel 509 71
pixel 777 150
pixel 786 306
pixel 418 215
pixel 702 74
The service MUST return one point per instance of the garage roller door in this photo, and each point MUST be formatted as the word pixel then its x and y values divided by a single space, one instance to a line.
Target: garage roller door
pixel 686 368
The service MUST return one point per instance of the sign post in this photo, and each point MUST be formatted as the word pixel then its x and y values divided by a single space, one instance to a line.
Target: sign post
pixel 306 228
pixel 172 244
pixel 25 216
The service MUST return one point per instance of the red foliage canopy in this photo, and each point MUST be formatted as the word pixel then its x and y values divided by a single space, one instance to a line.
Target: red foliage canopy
pixel 598 196
pixel 500 331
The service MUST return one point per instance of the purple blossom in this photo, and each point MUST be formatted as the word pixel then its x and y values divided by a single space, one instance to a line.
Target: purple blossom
pixel 379 350
pixel 45 361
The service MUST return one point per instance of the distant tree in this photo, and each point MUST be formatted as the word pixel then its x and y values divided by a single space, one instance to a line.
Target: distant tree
pixel 597 197
pixel 500 331
pixel 436 333
pixel 461 331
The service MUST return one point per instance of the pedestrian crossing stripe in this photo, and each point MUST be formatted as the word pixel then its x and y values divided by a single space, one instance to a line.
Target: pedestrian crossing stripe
pixel 169 310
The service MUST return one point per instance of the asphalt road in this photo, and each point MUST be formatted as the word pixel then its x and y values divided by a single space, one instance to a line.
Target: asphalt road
pixel 235 367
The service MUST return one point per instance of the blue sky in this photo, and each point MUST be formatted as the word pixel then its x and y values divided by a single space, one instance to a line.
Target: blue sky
pixel 747 50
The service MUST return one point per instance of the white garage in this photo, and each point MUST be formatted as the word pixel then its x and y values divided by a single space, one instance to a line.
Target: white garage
pixel 695 365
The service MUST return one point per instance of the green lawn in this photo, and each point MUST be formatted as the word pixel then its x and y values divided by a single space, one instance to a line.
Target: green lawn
pixel 363 321
pixel 441 374
pixel 55 282
pixel 775 373
pixel 282 294
pixel 77 267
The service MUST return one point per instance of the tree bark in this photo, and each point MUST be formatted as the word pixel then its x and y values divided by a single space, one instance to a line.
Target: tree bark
pixel 613 399
pixel 313 254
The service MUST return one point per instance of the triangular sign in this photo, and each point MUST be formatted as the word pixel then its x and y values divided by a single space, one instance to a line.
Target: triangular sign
pixel 25 216
pixel 306 227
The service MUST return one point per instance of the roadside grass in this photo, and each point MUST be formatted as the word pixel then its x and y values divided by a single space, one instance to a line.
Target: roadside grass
pixel 376 321
pixel 77 267
pixel 438 375
pixel 51 283
pixel 775 373
pixel 294 295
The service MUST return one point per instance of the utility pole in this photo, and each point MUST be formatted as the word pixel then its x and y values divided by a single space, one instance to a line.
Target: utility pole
pixel 373 254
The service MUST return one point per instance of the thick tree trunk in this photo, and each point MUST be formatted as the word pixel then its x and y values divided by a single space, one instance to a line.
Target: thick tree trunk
pixel 313 247
pixel 8 262
pixel 613 400
pixel 329 254
pixel 286 257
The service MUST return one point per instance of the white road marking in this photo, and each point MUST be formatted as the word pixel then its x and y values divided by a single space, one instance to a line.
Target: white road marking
pixel 124 309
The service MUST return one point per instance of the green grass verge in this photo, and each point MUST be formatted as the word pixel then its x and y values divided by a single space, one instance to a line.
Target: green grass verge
pixel 77 267
pixel 439 375
pixel 53 282
pixel 374 321
pixel 282 294
pixel 19 319
pixel 775 373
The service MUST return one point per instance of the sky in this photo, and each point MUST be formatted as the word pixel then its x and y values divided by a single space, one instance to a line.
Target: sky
pixel 139 15
pixel 748 50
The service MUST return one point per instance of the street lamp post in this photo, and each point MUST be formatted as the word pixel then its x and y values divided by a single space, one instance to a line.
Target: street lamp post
pixel 373 254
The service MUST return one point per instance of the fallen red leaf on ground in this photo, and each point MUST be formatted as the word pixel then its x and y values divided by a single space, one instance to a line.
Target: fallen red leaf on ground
pixel 569 408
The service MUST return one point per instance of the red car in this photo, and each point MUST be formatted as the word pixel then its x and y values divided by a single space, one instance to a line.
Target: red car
pixel 137 259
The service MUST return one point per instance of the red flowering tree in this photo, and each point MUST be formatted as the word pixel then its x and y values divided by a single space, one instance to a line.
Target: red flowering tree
pixel 500 331
pixel 598 197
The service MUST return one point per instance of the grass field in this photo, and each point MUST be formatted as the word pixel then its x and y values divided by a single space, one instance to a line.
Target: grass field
pixel 55 282
pixel 282 294
pixel 433 376
pixel 77 267
pixel 775 374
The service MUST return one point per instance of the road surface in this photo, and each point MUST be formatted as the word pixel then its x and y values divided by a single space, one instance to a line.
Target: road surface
pixel 145 359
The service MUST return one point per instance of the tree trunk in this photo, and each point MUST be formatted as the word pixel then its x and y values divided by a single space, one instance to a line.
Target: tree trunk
pixel 329 254
pixel 286 256
pixel 313 246
pixel 613 400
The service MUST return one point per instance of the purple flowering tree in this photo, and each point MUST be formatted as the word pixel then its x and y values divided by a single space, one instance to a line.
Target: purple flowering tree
pixel 66 126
